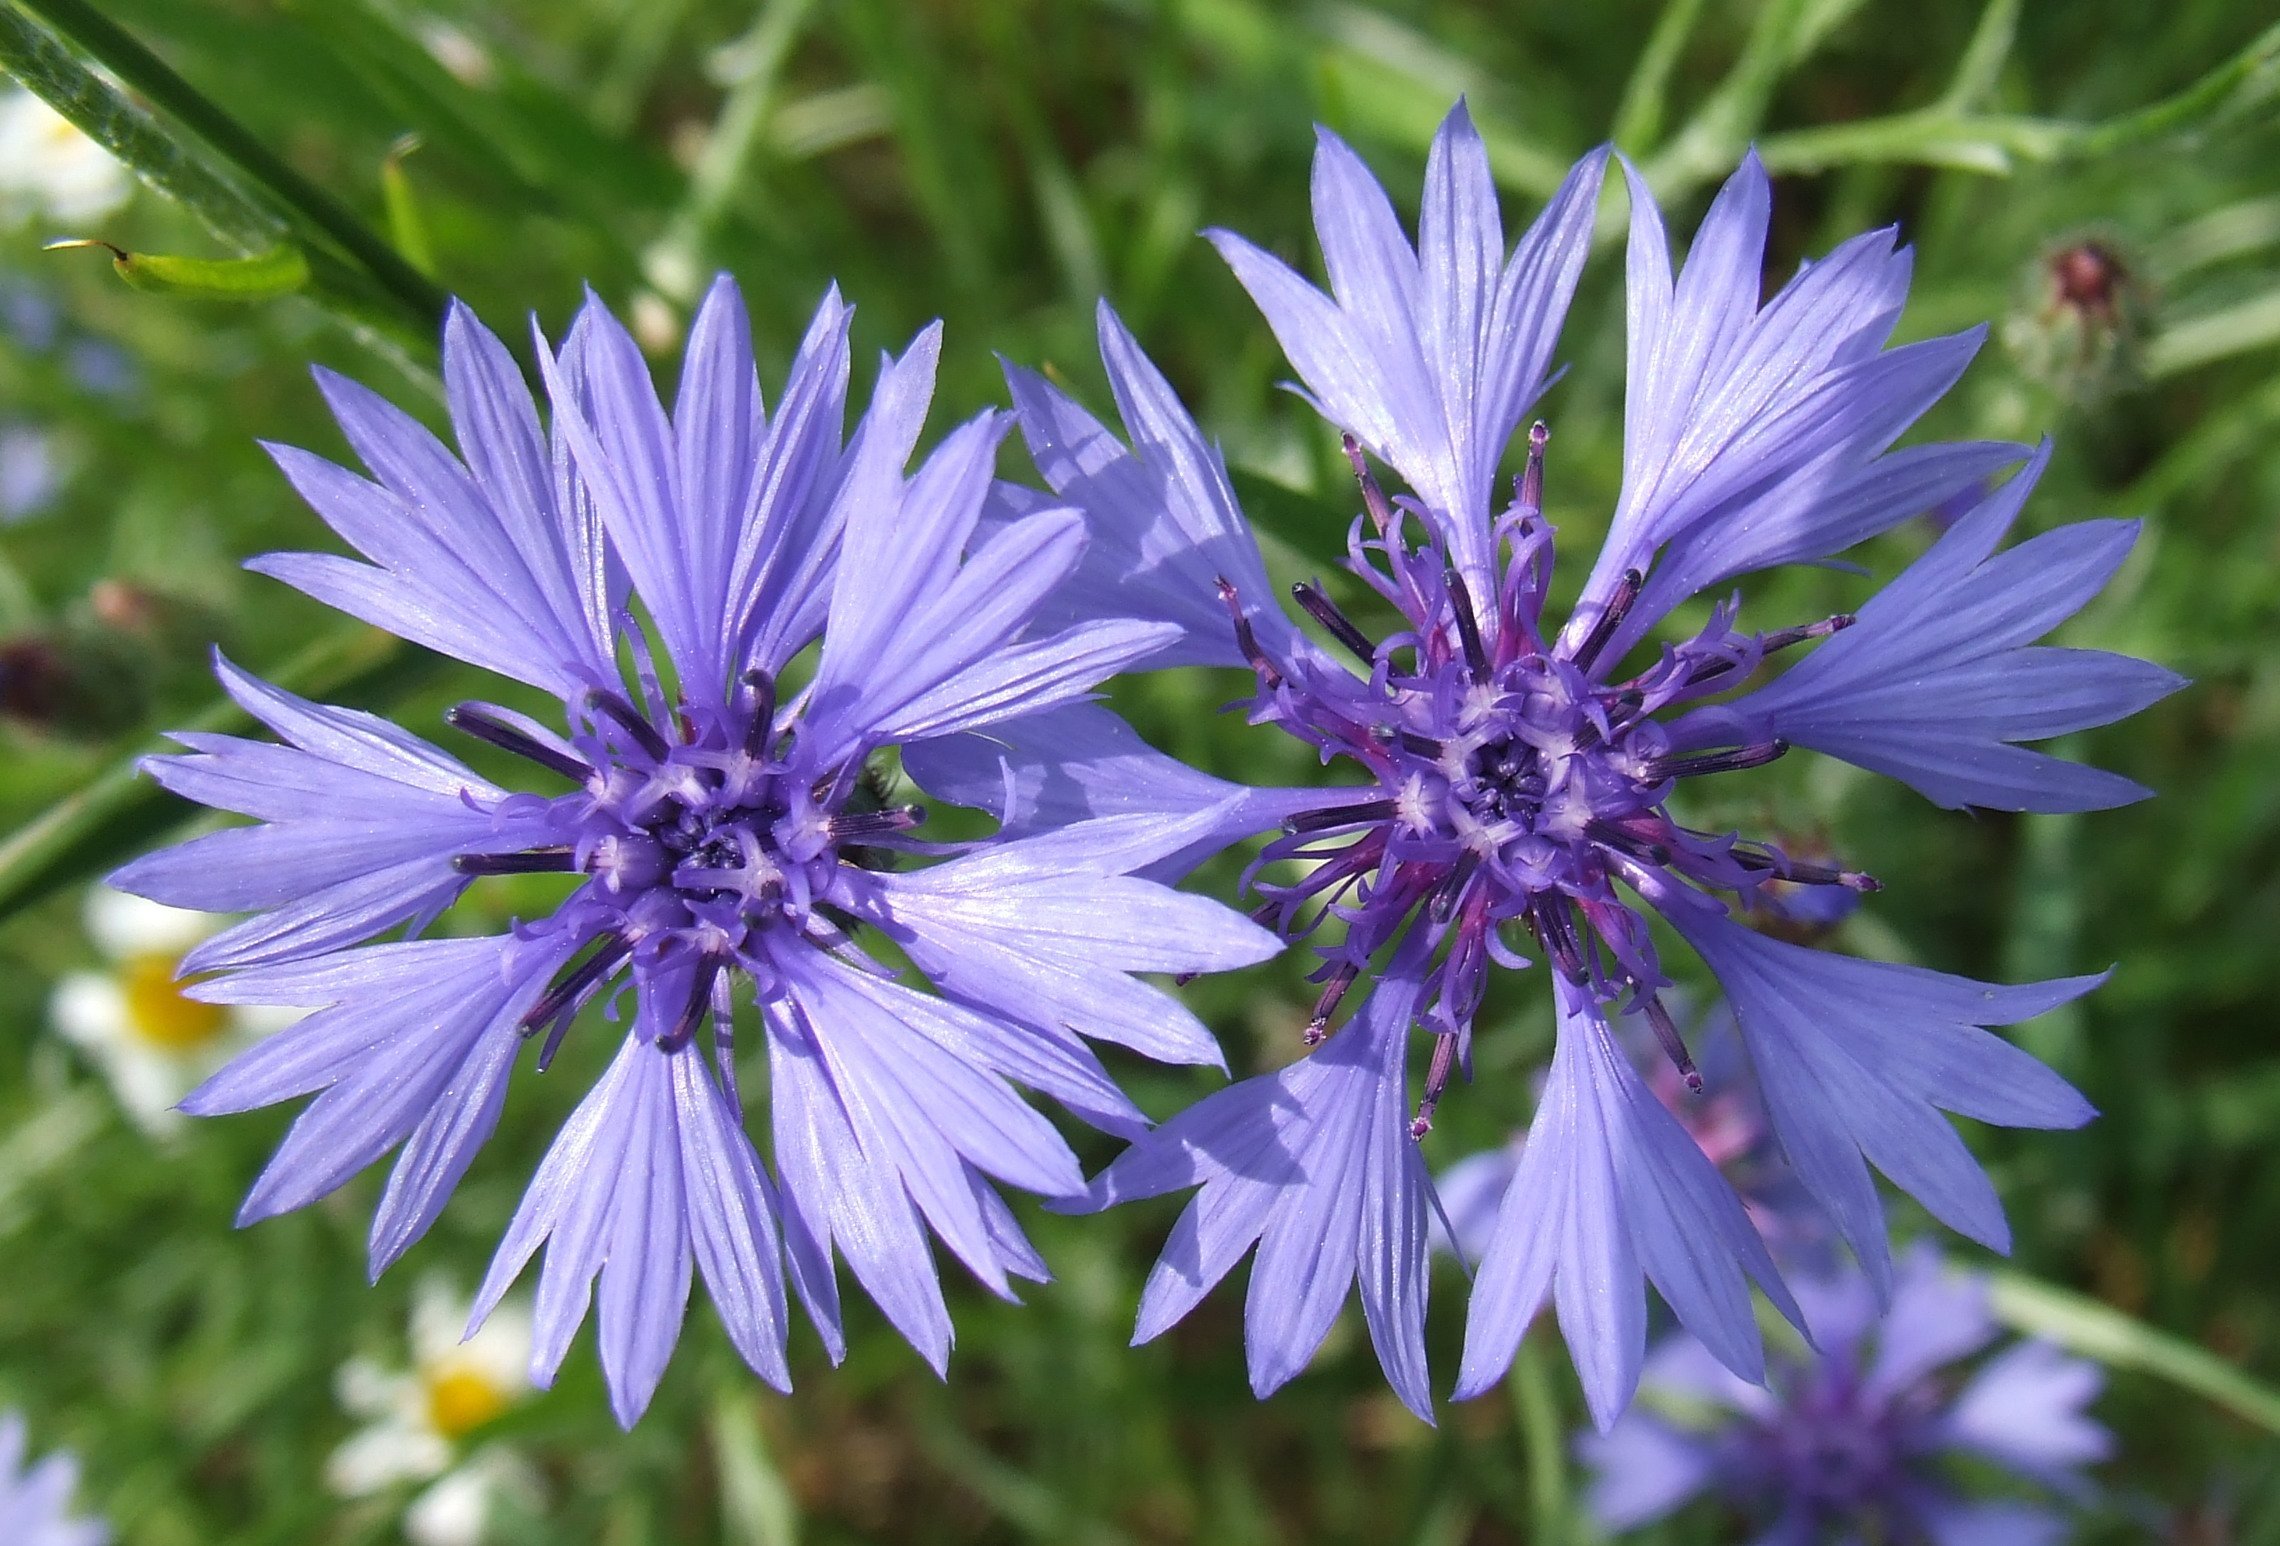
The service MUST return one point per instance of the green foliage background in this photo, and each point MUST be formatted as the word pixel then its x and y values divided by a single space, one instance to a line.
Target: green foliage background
pixel 1001 165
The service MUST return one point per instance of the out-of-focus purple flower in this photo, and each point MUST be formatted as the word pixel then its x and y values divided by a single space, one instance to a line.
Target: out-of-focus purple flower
pixel 710 823
pixel 1858 1441
pixel 35 1500
pixel 1517 782
pixel 32 470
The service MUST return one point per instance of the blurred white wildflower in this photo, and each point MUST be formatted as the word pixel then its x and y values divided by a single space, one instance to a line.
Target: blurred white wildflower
pixel 131 1017
pixel 48 169
pixel 417 1422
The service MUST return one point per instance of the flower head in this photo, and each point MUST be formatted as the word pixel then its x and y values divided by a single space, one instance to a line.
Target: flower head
pixel 417 1423
pixel 35 1500
pixel 1518 782
pixel 1858 1441
pixel 715 818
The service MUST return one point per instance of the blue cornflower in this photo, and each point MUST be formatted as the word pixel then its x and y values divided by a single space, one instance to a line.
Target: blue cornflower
pixel 35 1500
pixel 1517 789
pixel 1859 1440
pixel 709 821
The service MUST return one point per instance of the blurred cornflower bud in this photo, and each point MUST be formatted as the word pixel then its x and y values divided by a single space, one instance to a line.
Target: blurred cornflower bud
pixel 2082 320
pixel 418 1423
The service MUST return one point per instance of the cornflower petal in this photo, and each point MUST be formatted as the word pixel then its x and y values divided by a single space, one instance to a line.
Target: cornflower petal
pixel 1162 517
pixel 1610 1190
pixel 1045 930
pixel 1939 672
pixel 362 823
pixel 1859 1058
pixel 1314 1165
pixel 35 1497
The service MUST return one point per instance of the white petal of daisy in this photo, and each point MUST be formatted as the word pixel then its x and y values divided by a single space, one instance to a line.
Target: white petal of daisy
pixel 379 1457
pixel 125 926
pixel 458 1508
pixel 48 167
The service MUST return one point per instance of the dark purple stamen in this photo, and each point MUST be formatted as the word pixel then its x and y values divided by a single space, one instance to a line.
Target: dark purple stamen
pixel 1326 1003
pixel 1340 816
pixel 531 861
pixel 1468 626
pixel 693 1012
pixel 861 824
pixel 472 719
pixel 1555 930
pixel 1624 704
pixel 1783 638
pixel 1450 892
pixel 1422 745
pixel 1528 493
pixel 1622 840
pixel 1245 640
pixel 1673 1045
pixel 1374 501
pixel 757 728
pixel 1610 618
pixel 630 720
pixel 561 1003
pixel 1436 1082
pixel 1757 756
pixel 1804 872
pixel 1341 627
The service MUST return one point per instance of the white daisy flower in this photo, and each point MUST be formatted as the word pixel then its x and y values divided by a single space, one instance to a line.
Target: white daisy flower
pixel 131 1017
pixel 48 169
pixel 417 1421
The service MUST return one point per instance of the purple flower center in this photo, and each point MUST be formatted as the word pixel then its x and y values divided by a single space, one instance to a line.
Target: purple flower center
pixel 1516 791
pixel 1837 1450
pixel 703 841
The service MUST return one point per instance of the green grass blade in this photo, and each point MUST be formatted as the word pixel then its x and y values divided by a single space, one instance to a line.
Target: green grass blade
pixel 1640 115
pixel 2100 1331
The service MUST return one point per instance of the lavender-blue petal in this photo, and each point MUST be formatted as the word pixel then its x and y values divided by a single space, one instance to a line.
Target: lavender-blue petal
pixel 1642 1469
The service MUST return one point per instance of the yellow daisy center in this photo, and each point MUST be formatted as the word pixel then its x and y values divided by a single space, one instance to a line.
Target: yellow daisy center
pixel 461 1399
pixel 157 1012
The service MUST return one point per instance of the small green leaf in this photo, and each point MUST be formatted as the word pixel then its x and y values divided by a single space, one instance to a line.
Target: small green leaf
pixel 279 271
pixel 2100 1331
pixel 406 227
